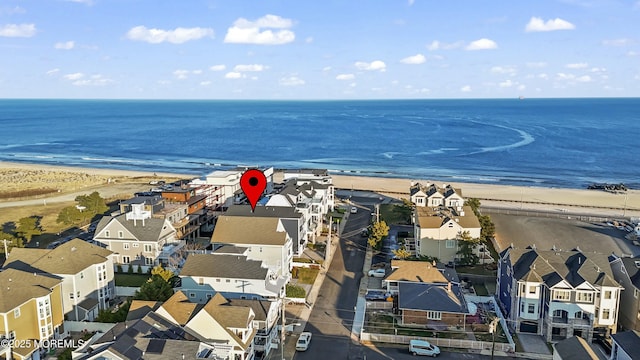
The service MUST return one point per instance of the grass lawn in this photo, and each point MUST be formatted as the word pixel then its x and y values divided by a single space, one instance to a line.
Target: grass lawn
pixel 307 275
pixel 49 214
pixel 477 270
pixel 481 290
pixel 132 280
pixel 395 214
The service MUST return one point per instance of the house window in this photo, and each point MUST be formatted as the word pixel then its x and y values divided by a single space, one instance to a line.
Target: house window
pixel 522 308
pixel 532 289
pixel 557 313
pixel 120 234
pixel 16 313
pixel 607 294
pixel 107 233
pixel 12 334
pixel 147 248
pixel 81 275
pixel 125 246
pixel 582 296
pixel 532 308
pixel 450 244
pixel 148 261
pixel 126 259
pixel 78 294
pixel 561 295
pixel 71 296
pixel 635 293
pixel 605 314
pixel 228 280
pixel 434 315
pixel 217 280
pixel 450 225
pixel 200 281
pixel 135 245
pixel 209 296
pixel 192 294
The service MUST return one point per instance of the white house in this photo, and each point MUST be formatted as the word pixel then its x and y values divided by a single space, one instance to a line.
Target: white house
pixel 86 271
pixel 558 294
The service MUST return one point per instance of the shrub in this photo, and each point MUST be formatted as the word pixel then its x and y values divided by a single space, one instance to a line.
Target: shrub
pixel 119 268
pixel 295 291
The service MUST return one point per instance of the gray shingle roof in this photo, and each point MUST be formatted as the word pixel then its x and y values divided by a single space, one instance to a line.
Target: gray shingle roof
pixel 575 348
pixel 17 287
pixel 628 341
pixel 281 212
pixel 632 270
pixel 144 230
pixel 430 297
pixel 223 266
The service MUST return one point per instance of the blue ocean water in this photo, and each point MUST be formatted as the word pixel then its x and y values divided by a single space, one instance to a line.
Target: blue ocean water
pixel 534 142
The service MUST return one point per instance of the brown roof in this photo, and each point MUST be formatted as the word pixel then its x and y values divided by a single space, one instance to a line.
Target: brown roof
pixel 229 316
pixel 69 258
pixel 140 308
pixel 18 287
pixel 248 230
pixel 428 218
pixel 417 271
pixel 180 308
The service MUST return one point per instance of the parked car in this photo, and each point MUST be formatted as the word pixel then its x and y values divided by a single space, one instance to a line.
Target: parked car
pixel 354 209
pixel 53 245
pixel 421 347
pixel 378 273
pixel 303 341
pixel 373 295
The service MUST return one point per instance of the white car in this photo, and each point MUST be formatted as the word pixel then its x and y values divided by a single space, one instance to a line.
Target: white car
pixel 421 347
pixel 303 341
pixel 354 209
pixel 379 273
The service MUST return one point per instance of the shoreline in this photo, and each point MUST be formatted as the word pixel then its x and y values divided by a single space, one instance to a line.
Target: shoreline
pixel 507 196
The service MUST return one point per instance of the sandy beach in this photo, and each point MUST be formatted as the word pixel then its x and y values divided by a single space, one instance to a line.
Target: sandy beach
pixel 18 176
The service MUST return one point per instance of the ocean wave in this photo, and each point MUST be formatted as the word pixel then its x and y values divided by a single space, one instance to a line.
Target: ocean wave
pixel 526 140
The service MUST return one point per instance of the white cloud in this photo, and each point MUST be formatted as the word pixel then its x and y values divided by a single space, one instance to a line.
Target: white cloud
pixel 617 42
pixel 482 44
pixel 572 77
pixel 538 64
pixel 577 66
pixel 18 30
pixel 291 81
pixel 181 74
pixel 234 75
pixel 511 70
pixel 543 76
pixel 217 67
pixel 205 83
pixel 74 76
pixel 507 83
pixel 466 88
pixel 244 31
pixel 414 60
pixel 598 70
pixel 372 66
pixel 326 68
pixel 521 87
pixel 53 72
pixel 584 78
pixel 345 77
pixel 536 24
pixel 94 80
pixel 197 72
pixel 65 45
pixel 437 45
pixel 250 67
pixel 6 10
pixel 177 36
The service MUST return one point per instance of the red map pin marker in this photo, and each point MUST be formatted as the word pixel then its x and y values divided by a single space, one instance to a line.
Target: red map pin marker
pixel 253 182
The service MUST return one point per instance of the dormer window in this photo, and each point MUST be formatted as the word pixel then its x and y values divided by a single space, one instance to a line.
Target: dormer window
pixel 107 233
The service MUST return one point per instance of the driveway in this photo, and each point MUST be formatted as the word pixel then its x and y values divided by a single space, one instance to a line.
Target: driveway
pixel 532 343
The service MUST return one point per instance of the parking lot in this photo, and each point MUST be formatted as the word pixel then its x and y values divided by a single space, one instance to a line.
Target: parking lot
pixel 565 234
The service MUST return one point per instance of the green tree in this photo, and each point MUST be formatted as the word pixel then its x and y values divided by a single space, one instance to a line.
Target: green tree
pixel 69 215
pixel 402 253
pixel 474 204
pixel 93 203
pixel 106 316
pixel 467 247
pixel 28 227
pixel 487 227
pixel 12 241
pixel 166 274
pixel 155 289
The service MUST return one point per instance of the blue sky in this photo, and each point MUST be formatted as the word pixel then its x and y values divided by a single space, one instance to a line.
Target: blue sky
pixel 330 49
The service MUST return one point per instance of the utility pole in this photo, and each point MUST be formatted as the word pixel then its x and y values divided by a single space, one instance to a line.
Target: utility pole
pixel 377 212
pixel 282 331
pixel 493 329
pixel 6 252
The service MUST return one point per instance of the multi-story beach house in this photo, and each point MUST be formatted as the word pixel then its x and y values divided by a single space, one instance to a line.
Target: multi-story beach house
pixel 86 272
pixel 30 309
pixel 558 294
pixel 227 185
pixel 265 238
pixel 440 222
pixel 321 176
pixel 627 272
pixel 137 238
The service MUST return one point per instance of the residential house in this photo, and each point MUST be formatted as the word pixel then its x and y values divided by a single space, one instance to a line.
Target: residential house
pixel 292 221
pixel 176 212
pixel 558 294
pixel 431 195
pixel 267 314
pixel 627 272
pixel 320 176
pixel 230 272
pixel 227 184
pixel 427 295
pixel 137 238
pixel 625 345
pixel 313 200
pixel 265 238
pixel 30 309
pixel 574 348
pixel 438 232
pixel 86 271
